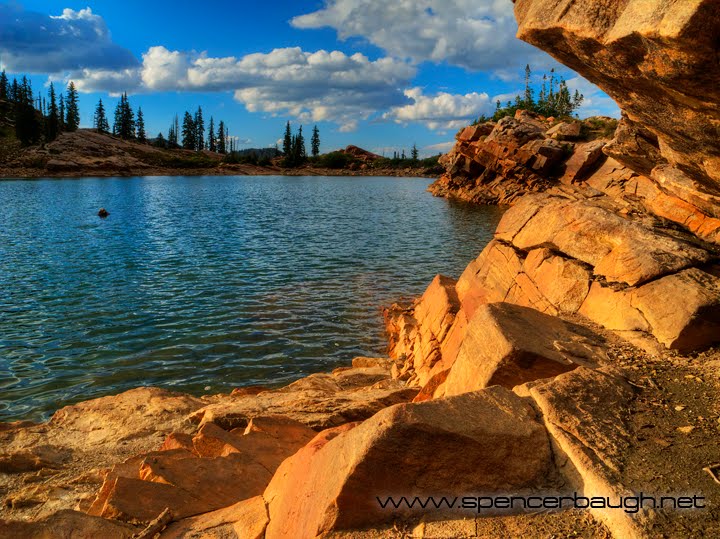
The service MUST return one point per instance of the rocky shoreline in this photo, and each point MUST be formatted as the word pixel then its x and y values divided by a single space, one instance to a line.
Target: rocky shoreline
pixel 576 356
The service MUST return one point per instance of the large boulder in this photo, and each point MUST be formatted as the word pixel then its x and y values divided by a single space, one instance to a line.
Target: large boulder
pixel 509 345
pixel 585 411
pixel 488 441
pixel 682 309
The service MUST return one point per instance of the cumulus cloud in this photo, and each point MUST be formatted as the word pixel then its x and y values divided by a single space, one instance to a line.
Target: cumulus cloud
pixel 33 42
pixel 312 86
pixel 441 111
pixel 472 34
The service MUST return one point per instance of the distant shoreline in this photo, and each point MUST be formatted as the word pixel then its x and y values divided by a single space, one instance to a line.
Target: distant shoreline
pixel 228 170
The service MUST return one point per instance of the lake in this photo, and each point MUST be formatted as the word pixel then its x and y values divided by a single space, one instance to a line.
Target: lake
pixel 205 284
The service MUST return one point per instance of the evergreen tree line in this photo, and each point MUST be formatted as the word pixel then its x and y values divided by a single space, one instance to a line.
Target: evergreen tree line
pixel 401 156
pixel 37 117
pixel 553 99
pixel 294 151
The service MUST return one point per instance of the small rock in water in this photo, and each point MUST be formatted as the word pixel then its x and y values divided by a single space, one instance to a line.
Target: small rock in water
pixel 103 213
pixel 207 388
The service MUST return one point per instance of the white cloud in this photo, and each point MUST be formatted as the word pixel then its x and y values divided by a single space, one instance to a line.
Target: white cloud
pixel 311 86
pixel 441 111
pixel 32 42
pixel 442 147
pixel 473 34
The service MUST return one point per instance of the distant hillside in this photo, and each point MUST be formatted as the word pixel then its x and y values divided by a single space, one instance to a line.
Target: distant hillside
pixel 88 153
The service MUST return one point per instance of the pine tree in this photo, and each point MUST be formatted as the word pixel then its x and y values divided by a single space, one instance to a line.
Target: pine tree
pixel 160 141
pixel 124 126
pixel 14 94
pixel 315 142
pixel 199 130
pixel 4 85
pixel 100 121
pixel 141 136
pixel 61 114
pixel 27 125
pixel 288 142
pixel 72 113
pixel 301 152
pixel 212 146
pixel 51 123
pixel 529 101
pixel 414 153
pixel 221 145
pixel 189 132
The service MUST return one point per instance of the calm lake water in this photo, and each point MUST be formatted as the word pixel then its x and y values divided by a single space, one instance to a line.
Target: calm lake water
pixel 204 284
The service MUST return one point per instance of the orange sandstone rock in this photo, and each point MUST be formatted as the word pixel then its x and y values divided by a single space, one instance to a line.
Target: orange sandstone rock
pixel 486 441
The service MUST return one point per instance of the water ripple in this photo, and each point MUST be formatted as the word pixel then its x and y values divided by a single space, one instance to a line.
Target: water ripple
pixel 220 282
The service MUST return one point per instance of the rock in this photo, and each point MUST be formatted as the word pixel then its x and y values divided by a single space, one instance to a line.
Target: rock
pixel 698 215
pixel 489 278
pixel 586 158
pixel 187 486
pixel 66 525
pixel 585 412
pixel 690 324
pixel 565 131
pixel 60 165
pixel 244 520
pixel 502 166
pixel 281 438
pixel 137 501
pixel 635 147
pixel 563 282
pixel 656 60
pixel 474 133
pixel 612 309
pixel 103 213
pixel 178 440
pixel 35 458
pixel 486 441
pixel 318 401
pixel 420 338
pixel 129 415
pixel 372 362
pixel 509 345
pixel 592 231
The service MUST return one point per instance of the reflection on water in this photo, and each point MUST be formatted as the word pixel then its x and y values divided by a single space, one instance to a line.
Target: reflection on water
pixel 212 281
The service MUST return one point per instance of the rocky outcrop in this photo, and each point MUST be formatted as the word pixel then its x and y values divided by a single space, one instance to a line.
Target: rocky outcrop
pixel 483 441
pixel 562 253
pixel 658 61
pixel 498 163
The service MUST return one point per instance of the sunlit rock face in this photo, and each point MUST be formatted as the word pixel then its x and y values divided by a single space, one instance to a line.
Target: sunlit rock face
pixel 658 59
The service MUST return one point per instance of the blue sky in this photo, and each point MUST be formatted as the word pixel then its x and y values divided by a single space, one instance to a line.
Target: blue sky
pixel 381 75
